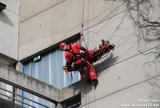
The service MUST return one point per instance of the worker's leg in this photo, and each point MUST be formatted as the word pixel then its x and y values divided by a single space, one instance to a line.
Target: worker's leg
pixel 92 73
pixel 83 75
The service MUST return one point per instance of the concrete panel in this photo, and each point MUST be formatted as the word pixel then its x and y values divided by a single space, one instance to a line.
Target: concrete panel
pixel 9 34
pixel 30 8
pixel 60 22
pixel 97 11
pixel 9 21
pixel 133 62
pixel 142 94
pixel 124 75
pixel 49 27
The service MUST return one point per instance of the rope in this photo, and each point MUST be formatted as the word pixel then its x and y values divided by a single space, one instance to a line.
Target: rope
pixel 82 24
pixel 70 80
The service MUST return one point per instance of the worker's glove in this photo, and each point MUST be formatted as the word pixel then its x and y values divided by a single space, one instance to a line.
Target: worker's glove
pixel 67 68
pixel 64 67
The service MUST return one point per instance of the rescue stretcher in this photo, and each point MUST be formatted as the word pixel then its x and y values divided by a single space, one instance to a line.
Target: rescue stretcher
pixel 97 53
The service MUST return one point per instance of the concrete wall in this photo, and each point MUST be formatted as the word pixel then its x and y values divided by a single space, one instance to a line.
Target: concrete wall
pixel 128 75
pixel 46 23
pixel 9 21
pixel 50 21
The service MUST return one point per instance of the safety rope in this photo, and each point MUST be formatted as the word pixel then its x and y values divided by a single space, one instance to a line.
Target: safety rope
pixel 82 24
pixel 70 80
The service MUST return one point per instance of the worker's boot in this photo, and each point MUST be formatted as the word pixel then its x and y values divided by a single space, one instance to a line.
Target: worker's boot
pixel 103 42
pixel 95 82
pixel 89 81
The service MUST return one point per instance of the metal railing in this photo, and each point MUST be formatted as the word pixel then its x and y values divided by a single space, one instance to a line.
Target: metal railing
pixel 22 98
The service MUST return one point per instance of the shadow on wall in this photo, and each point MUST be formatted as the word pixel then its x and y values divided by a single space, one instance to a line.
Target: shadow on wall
pixel 4 18
pixel 109 61
pixel 106 63
pixel 83 87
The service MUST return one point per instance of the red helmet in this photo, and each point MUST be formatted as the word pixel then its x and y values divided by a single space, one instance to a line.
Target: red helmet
pixel 62 45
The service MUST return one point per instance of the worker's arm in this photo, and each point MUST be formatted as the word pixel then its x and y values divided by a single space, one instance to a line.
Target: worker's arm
pixel 69 66
pixel 82 48
pixel 85 50
pixel 68 62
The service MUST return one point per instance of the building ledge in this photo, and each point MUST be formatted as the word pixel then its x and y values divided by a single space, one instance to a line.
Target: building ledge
pixel 34 86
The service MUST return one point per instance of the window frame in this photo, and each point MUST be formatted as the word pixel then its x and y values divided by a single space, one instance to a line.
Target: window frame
pixel 52 48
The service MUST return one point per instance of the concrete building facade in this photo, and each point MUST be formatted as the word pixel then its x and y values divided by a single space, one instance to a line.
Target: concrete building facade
pixel 9 27
pixel 128 76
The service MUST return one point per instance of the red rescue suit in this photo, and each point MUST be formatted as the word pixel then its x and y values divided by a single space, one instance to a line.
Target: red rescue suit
pixel 73 56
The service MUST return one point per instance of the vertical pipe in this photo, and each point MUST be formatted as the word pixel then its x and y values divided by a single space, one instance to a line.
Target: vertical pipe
pixel 22 90
pixel 14 95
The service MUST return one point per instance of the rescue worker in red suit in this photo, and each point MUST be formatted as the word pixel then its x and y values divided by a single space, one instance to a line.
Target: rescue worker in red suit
pixel 76 62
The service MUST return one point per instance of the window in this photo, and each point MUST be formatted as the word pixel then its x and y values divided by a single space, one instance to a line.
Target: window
pixel 47 67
